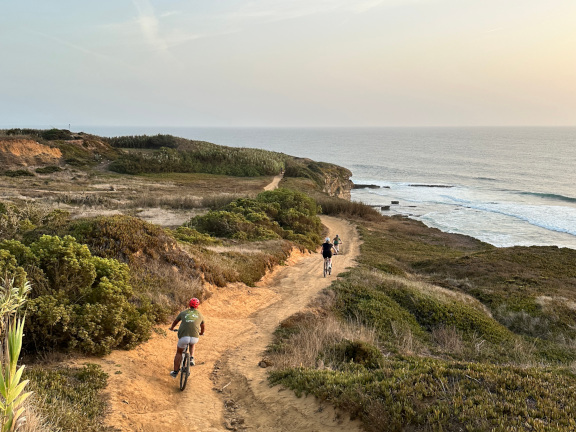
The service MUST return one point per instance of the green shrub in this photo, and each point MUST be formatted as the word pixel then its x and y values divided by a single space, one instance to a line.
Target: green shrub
pixel 84 304
pixel 162 275
pixel 144 141
pixel 433 311
pixel 48 169
pixel 190 235
pixel 199 157
pixel 282 213
pixel 18 173
pixel 10 269
pixel 357 352
pixel 56 134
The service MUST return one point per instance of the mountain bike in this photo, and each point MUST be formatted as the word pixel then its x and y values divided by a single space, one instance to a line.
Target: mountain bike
pixel 184 367
pixel 327 266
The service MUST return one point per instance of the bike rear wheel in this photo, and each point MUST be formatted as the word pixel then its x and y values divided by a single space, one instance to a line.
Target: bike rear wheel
pixel 325 267
pixel 184 371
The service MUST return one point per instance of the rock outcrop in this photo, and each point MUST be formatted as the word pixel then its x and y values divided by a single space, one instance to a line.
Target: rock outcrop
pixel 337 183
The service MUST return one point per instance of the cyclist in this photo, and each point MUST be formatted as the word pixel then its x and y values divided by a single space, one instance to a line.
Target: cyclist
pixel 190 329
pixel 327 251
pixel 337 243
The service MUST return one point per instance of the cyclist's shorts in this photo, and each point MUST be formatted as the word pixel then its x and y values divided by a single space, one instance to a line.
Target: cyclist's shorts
pixel 183 342
pixel 327 254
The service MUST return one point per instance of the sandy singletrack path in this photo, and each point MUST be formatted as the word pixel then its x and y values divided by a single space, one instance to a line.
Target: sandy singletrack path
pixel 227 389
pixel 274 184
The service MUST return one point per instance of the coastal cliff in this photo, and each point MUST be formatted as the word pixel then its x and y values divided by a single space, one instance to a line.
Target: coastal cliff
pixel 338 184
pixel 27 152
pixel 331 179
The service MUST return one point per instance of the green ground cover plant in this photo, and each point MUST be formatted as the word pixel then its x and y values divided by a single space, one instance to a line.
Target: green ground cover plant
pixel 69 399
pixel 531 290
pixel 440 355
pixel 425 394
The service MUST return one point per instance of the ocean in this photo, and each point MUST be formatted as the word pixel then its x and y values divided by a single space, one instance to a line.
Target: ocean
pixel 505 186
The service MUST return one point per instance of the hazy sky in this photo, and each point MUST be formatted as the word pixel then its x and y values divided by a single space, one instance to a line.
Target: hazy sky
pixel 287 63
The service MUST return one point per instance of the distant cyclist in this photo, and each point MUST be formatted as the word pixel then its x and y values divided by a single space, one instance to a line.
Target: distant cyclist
pixel 191 328
pixel 327 251
pixel 337 243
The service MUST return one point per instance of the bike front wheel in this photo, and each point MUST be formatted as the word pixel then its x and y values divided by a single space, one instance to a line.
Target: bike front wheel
pixel 184 371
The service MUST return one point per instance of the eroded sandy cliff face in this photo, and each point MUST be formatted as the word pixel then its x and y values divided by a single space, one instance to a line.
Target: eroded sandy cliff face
pixel 27 152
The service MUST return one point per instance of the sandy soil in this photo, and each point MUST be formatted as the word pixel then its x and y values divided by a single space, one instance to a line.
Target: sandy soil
pixel 274 184
pixel 227 389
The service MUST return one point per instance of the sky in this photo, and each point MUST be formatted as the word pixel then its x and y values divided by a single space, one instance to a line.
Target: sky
pixel 301 63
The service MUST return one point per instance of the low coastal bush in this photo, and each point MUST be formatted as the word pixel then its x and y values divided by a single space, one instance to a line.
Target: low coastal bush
pixel 50 169
pixel 144 141
pixel 281 213
pixel 78 301
pixel 69 399
pixel 18 173
pixel 46 134
pixel 160 271
pixel 16 221
pixel 357 295
pixel 190 235
pixel 206 158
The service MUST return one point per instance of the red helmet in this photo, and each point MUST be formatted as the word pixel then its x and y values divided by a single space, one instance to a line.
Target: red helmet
pixel 194 302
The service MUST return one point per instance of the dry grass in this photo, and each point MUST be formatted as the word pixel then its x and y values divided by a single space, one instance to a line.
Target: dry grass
pixel 35 420
pixel 101 190
pixel 165 285
pixel 403 338
pixel 316 333
pixel 448 339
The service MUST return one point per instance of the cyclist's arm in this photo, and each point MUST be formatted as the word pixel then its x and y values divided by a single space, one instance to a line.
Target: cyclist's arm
pixel 176 321
pixel 202 328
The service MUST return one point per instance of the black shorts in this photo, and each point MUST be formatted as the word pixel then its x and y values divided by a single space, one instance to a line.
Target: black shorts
pixel 327 254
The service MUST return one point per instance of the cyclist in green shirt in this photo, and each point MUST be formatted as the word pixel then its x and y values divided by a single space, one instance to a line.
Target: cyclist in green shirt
pixel 337 243
pixel 191 328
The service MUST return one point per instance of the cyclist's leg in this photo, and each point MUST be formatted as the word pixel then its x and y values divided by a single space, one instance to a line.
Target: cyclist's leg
pixel 178 358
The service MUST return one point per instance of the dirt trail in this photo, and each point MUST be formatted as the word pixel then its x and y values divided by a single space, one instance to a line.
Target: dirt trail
pixel 227 388
pixel 274 184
